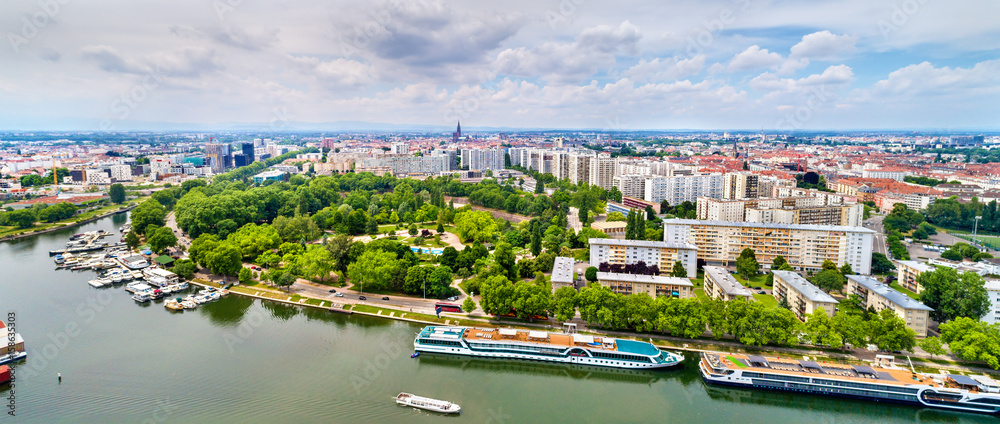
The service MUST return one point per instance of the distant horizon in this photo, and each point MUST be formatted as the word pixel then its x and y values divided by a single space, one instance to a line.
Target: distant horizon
pixel 827 65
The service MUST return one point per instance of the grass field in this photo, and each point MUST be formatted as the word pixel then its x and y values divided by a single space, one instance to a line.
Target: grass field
pixel 992 242
pixel 905 291
pixel 766 299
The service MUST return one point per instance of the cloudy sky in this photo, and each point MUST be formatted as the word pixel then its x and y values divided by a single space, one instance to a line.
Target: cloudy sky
pixel 673 64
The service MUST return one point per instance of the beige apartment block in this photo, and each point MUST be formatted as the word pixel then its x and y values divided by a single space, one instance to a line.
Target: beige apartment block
pixel 720 284
pixel 803 297
pixel 653 285
pixel 880 296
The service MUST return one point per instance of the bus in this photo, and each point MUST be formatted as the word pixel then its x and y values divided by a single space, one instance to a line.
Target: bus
pixel 448 307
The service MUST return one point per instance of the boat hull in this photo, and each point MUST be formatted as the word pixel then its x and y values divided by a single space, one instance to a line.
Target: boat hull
pixel 573 360
pixel 13 357
pixel 721 380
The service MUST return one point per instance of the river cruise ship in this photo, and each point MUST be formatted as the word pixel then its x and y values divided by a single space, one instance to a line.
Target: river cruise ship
pixel 543 346
pixel 881 382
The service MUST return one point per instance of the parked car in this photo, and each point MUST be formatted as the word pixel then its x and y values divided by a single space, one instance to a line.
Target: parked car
pixel 385 297
pixel 362 298
pixel 756 288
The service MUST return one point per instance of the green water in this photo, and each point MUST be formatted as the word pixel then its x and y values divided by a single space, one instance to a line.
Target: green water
pixel 246 361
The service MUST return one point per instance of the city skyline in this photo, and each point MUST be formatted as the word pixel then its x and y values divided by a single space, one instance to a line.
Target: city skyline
pixel 829 65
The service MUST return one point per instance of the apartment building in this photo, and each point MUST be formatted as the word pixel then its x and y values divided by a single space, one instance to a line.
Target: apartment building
pixel 631 185
pixel 483 159
pixel 803 297
pixel 823 197
pixel 562 273
pixel 846 215
pixel 907 273
pixel 602 171
pixel 678 189
pixel 653 285
pixel 740 185
pixel 805 247
pixel 661 254
pixel 405 164
pixel 735 209
pixel 880 296
pixel 993 292
pixel 720 284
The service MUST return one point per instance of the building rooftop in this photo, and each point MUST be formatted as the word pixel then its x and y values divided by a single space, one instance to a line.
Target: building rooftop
pixel 803 286
pixel 889 293
pixel 641 243
pixel 919 266
pixel 648 279
pixel 776 226
pixel 608 225
pixel 726 281
pixel 562 270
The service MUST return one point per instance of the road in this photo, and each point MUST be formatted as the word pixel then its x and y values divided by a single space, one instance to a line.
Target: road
pixel 182 240
pixel 879 245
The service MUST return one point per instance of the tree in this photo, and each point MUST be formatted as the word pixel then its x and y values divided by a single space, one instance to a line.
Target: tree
pixel 476 226
pixel 160 238
pixel 226 259
pixel 851 328
pixel 469 305
pixel 440 228
pixel 117 193
pixel 679 270
pixel 285 280
pixel 973 340
pixel 536 238
pixel 650 213
pixel 412 230
pixel 846 270
pixel 132 240
pixel 375 268
pixel 889 332
pixel 185 268
pixel 615 216
pixel 820 330
pixel 149 212
pixel 316 263
pixel 952 295
pixel 932 345
pixel 615 194
pixel 564 303
pixel 245 275
pixel 504 256
pixel 449 257
pixel 829 280
pixel 746 264
pixel 539 187
pixel 881 264
pixel 591 274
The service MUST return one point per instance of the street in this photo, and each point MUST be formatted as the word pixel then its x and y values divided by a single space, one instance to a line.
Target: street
pixel 878 241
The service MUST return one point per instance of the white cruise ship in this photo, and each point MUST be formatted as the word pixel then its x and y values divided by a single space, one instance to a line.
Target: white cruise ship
pixel 543 346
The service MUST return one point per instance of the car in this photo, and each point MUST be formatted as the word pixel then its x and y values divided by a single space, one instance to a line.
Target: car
pixel 385 297
pixel 453 298
pixel 255 268
pixel 333 291
pixel 362 298
pixel 338 295
pixel 761 292
pixel 756 288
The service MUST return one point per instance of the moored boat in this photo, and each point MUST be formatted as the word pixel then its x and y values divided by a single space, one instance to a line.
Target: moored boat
pixel 564 348
pixel 427 404
pixel 141 297
pixel 883 381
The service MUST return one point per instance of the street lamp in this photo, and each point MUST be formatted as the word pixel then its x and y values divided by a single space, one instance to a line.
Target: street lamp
pixel 975 229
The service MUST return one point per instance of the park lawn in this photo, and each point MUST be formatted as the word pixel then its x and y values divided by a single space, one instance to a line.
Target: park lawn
pixel 766 299
pixel 905 291
pixel 698 282
pixel 700 294
pixel 758 280
pixel 992 242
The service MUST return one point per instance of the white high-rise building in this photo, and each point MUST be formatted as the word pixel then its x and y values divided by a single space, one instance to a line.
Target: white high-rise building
pixel 679 189
pixel 483 159
pixel 399 148
pixel 631 185
pixel 602 171
pixel 993 292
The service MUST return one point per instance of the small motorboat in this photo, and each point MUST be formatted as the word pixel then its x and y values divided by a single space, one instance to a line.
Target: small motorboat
pixel 187 304
pixel 428 404
pixel 11 357
pixel 415 354
pixel 141 297
pixel 173 305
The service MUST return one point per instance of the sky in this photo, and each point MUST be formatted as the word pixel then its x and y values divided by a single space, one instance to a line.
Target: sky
pixel 108 65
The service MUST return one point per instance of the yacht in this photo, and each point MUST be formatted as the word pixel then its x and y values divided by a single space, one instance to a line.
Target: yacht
pixel 427 404
pixel 141 297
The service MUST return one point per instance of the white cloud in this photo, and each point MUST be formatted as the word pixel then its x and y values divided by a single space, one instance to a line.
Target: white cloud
pixel 754 57
pixel 925 79
pixel 839 75
pixel 594 49
pixel 824 45
pixel 666 69
pixel 338 73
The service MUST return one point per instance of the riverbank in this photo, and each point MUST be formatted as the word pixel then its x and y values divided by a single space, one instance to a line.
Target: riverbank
pixel 56 225
pixel 662 341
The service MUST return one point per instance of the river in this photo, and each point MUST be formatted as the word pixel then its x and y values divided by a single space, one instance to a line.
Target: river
pixel 248 361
